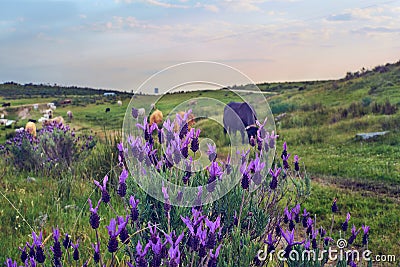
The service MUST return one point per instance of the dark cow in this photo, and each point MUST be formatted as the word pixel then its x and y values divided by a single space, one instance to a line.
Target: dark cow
pixel 6 104
pixel 108 110
pixel 239 116
pixel 32 120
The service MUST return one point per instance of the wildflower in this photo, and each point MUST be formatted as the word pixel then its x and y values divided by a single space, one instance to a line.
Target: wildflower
pixel 66 241
pixel 284 152
pixel 285 161
pixel 354 234
pixel 252 141
pixel 212 152
pixel 334 206
pixel 198 201
pixel 214 172
pixel 296 163
pixel 289 237
pixel 37 242
pixel 135 113
pixel 213 226
pixel 296 212
pixel 167 204
pixel 134 210
pixel 305 217
pixel 327 239
pixel 122 183
pixel 194 145
pixel 96 254
pixel 345 225
pixel 173 251
pixel 24 254
pixel 365 236
pixel 314 239
pixel 258 166
pixel 274 173
pixel 271 243
pixel 75 255
pixel 245 182
pixel 278 230
pixel 105 196
pixel 170 130
pixel 56 246
pixel 309 226
pixel 11 263
pixel 188 170
pixel 185 148
pixel 161 135
pixel 307 245
pixel 322 232
pixel 212 262
pixel 94 219
pixel 156 247
pixel 123 232
pixel 140 254
pixel 113 232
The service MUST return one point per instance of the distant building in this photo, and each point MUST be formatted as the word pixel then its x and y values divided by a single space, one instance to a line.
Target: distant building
pixel 155 90
pixel 109 94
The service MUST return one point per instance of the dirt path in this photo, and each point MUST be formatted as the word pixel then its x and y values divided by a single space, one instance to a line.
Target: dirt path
pixel 369 188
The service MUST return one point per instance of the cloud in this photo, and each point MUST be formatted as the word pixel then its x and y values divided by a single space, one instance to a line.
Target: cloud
pixel 212 8
pixel 164 4
pixel 340 17
pixel 366 30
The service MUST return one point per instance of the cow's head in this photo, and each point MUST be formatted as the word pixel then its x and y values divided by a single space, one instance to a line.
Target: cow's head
pixel 252 131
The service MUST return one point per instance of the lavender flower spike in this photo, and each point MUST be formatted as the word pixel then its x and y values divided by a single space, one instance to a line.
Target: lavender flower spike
pixel 94 219
pixel 214 257
pixel 366 234
pixel 105 196
pixel 134 210
pixel 122 183
pixel 345 225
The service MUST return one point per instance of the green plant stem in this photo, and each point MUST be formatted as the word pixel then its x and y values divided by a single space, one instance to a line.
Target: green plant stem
pixel 241 208
pixel 98 243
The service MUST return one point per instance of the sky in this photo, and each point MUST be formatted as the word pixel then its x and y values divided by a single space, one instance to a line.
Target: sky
pixel 118 44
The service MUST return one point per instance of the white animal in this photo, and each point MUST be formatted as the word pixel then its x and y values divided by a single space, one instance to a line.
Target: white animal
pixel 49 105
pixel 53 107
pixel 48 113
pixel 69 114
pixel 35 106
pixel 141 112
pixel 119 102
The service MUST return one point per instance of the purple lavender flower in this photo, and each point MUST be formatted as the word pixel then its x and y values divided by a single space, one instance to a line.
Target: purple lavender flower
pixel 284 152
pixel 169 127
pixel 122 183
pixel 334 206
pixel 94 219
pixel 161 135
pixel 296 163
pixel 271 243
pixel 314 239
pixel 188 171
pixel 305 217
pixel 212 152
pixel 345 225
pixel 134 210
pixel 289 237
pixel 212 226
pixel 156 247
pixel 366 234
pixel 327 239
pixel 285 162
pixel 37 242
pixel 185 147
pixel 105 196
pixel 167 204
pixel 96 253
pixel 354 234
pixel 309 226
pixel 141 254
pixel 287 216
pixel 113 232
pixel 123 232
pixel 56 246
pixel 66 241
pixel 194 145
pixel 173 251
pixel 212 262
pixel 258 166
pixel 215 172
pixel 322 232
pixel 75 255
pixel 24 254
pixel 307 245
pixel 274 181
pixel 11 263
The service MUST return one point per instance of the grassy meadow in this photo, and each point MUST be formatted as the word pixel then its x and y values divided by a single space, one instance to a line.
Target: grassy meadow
pixel 320 123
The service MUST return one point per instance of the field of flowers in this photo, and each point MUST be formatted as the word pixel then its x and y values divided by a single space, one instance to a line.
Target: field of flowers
pixel 143 231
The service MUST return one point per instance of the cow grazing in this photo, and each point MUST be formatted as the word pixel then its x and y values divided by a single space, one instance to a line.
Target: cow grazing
pixel 32 120
pixel 30 127
pixel 119 103
pixel 48 113
pixel 6 104
pixel 156 117
pixel 108 110
pixel 239 116
pixel 69 114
